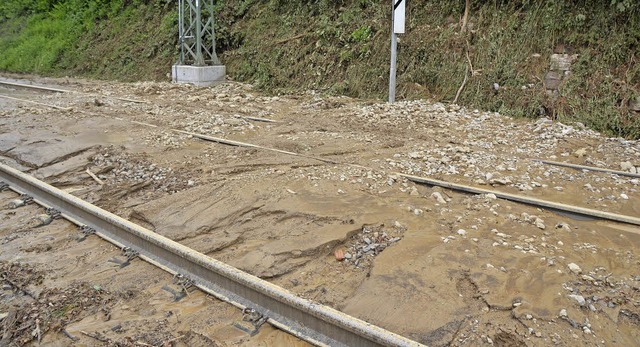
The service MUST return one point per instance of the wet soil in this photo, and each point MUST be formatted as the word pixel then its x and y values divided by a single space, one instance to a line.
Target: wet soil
pixel 62 289
pixel 346 231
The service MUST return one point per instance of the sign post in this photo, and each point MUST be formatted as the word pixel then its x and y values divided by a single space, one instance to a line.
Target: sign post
pixel 397 27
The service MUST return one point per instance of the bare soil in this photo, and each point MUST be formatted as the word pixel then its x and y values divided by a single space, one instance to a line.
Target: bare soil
pixel 438 266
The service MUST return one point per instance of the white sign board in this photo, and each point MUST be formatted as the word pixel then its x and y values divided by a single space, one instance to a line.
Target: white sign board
pixel 398 16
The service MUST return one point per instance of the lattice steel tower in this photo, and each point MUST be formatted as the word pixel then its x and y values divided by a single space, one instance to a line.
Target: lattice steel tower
pixel 196 33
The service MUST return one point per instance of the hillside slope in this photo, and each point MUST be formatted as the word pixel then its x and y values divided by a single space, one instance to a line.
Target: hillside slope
pixel 342 47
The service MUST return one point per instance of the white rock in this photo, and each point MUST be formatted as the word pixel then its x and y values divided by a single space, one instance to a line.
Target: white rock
pixel 627 166
pixel 500 181
pixel 574 268
pixel 624 196
pixel 439 198
pixel 462 232
pixel 579 153
pixel 579 298
pixel 415 155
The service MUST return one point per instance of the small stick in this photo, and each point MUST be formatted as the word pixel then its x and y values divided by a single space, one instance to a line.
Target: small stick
pixel 93 336
pixel 184 289
pixel 68 334
pixel 291 38
pixel 129 100
pixel 38 330
pixel 143 123
pixel 473 72
pixel 258 119
pixel 464 82
pixel 95 178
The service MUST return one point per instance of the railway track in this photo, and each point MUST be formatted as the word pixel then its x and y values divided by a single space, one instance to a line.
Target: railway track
pixel 58 90
pixel 268 303
pixel 223 285
pixel 554 206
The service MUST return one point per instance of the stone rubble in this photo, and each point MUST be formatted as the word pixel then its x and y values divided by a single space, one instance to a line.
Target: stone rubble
pixel 369 242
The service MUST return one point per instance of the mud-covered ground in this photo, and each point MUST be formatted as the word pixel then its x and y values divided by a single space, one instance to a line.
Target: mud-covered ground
pixel 337 225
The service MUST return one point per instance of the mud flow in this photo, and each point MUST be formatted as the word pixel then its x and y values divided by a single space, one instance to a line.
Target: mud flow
pixel 335 224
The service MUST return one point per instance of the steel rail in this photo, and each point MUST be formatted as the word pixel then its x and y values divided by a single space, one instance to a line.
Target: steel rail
pixel 312 322
pixel 31 86
pixel 587 168
pixel 552 205
pixel 250 145
pixel 36 103
pixel 58 90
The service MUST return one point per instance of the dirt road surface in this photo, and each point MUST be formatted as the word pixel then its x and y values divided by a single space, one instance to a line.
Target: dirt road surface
pixel 335 224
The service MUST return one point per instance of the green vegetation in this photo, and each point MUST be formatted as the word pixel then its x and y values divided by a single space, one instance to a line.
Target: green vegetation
pixel 342 47
pixel 122 39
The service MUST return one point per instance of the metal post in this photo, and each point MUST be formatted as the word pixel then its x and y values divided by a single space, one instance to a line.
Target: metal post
pixel 392 69
pixel 199 58
pixel 181 29
pixel 212 26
